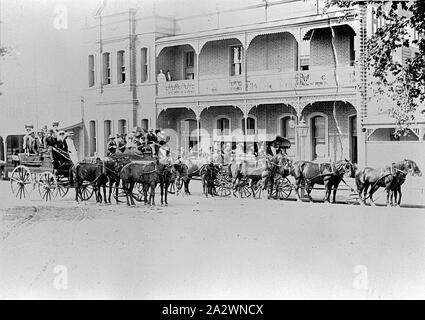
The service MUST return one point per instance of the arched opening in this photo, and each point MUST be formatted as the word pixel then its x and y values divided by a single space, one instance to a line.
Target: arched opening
pixel 223 126
pixel 2 155
pixel 189 134
pixel 107 131
pixel 318 137
pixel 179 60
pixel 273 52
pixel 251 126
pixel 122 126
pixel 352 127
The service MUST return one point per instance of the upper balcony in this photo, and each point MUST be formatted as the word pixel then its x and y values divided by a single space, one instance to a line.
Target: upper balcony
pixel 266 82
pixel 322 58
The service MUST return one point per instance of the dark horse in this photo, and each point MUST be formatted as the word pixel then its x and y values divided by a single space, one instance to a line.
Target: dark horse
pixel 389 177
pixel 307 174
pixel 194 169
pixel 91 171
pixel 149 174
pixel 208 176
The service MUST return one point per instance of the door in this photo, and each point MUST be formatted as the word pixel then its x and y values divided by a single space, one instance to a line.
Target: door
pixel 318 137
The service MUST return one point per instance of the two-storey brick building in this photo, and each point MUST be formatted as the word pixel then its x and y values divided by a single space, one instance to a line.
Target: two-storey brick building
pixel 238 75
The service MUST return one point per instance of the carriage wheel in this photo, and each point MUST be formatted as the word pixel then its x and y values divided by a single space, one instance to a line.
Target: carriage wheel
pixel 282 189
pixel 244 189
pixel 47 186
pixel 87 191
pixel 258 189
pixel 20 182
pixel 138 192
pixel 223 189
pixel 63 188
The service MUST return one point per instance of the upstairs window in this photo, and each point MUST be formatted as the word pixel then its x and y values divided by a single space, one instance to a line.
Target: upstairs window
pixel 93 139
pixel 223 126
pixel 144 59
pixel 91 70
pixel 190 58
pixel 106 68
pixel 121 67
pixel 236 61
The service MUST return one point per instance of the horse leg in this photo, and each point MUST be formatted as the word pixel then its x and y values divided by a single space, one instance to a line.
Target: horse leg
pixel 328 187
pixel 397 202
pixel 167 185
pixel 371 192
pixel 297 188
pixel 104 192
pixel 389 191
pixel 334 192
pixel 161 185
pixel 152 196
pixel 186 186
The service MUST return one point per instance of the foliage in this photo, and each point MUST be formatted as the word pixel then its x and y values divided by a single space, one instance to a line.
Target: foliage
pixel 402 82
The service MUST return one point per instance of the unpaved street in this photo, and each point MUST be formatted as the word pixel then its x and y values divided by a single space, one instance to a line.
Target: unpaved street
pixel 213 248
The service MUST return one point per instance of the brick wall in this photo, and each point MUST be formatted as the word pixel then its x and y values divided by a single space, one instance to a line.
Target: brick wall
pixel 321 53
pixel 343 111
pixel 214 58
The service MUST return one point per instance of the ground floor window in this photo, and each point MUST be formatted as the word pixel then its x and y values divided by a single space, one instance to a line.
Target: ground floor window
pixel 353 138
pixel 107 131
pixel 318 137
pixel 122 126
pixel 92 133
pixel 287 128
pixel 145 124
pixel 223 126
pixel 250 126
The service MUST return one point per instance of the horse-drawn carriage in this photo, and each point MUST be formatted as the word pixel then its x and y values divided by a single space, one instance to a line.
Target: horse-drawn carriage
pixel 47 172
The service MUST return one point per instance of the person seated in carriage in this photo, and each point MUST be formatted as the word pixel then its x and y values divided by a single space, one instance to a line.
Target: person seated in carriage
pixel 111 145
pixel 61 143
pixel 151 140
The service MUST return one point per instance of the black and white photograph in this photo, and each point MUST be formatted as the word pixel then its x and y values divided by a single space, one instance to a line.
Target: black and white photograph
pixel 212 150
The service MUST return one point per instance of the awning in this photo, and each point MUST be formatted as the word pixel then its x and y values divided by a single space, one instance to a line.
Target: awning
pixel 78 125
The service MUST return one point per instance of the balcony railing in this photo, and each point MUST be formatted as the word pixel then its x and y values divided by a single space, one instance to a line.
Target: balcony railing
pixel 258 82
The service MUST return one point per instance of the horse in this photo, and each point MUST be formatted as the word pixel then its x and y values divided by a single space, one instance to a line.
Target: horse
pixel 328 174
pixel 193 170
pixel 244 169
pixel 149 174
pixel 87 171
pixel 181 174
pixel 390 177
pixel 208 175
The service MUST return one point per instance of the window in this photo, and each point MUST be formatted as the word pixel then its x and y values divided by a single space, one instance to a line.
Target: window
pixel 145 124
pixel 236 58
pixel 318 131
pixel 287 129
pixel 223 126
pixel 91 70
pixel 121 67
pixel 106 68
pixel 92 127
pixel 107 129
pixel 250 126
pixel 144 59
pixel 189 63
pixel 122 126
pixel 190 58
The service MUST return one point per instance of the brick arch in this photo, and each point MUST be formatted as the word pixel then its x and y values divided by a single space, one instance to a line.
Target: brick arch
pixel 170 58
pixel 281 52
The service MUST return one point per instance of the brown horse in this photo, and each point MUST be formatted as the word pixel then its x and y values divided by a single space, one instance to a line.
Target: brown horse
pixel 149 174
pixel 389 177
pixel 307 174
pixel 208 176
pixel 91 172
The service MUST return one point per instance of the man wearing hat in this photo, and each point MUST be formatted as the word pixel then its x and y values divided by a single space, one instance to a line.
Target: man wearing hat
pixel 61 141
pixel 111 145
pixel 55 128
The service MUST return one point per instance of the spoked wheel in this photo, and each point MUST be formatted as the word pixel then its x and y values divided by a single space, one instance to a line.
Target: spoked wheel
pixel 223 188
pixel 244 189
pixel 63 188
pixel 87 191
pixel 138 192
pixel 47 186
pixel 282 189
pixel 258 189
pixel 20 182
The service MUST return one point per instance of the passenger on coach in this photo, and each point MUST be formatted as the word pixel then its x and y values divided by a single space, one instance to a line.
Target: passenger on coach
pixel 112 145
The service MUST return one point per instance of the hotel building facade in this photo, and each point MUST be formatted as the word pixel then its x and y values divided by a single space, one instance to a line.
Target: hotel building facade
pixel 238 76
